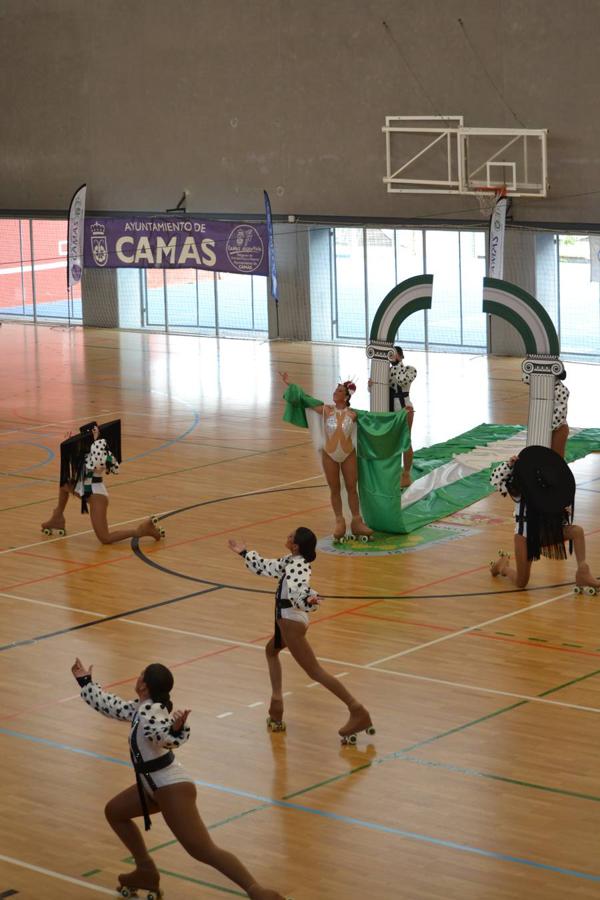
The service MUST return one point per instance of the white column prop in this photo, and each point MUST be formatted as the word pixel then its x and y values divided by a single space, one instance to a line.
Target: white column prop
pixel 381 354
pixel 542 371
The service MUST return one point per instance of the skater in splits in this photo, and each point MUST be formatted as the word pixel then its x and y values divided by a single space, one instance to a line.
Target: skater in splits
pixel 543 489
pixel 294 599
pixel 338 456
pixel 162 784
pixel 85 459
pixel 560 428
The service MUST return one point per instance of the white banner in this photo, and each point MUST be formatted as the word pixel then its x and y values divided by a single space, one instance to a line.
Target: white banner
pixel 497 226
pixel 594 257
pixel 75 237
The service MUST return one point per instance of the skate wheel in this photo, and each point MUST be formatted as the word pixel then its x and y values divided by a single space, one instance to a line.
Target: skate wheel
pixel 61 532
pixel 275 726
pixel 162 532
pixel 349 739
pixel 370 730
pixel 154 520
pixel 590 590
pixel 364 538
pixel 47 531
pixel 125 892
pixel 577 589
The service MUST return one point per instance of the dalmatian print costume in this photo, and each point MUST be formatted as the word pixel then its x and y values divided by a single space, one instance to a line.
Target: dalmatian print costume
pixel 98 462
pixel 292 599
pixel 561 402
pixel 151 738
pixel 401 377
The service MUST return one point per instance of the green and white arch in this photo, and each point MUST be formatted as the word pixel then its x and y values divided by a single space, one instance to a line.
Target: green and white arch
pixel 408 297
pixel 528 316
pixel 524 312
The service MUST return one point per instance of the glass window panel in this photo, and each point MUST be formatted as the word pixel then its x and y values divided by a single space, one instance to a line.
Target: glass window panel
pixel 409 262
pixel 155 297
pixel 442 254
pixel 15 281
pixel 129 291
pixel 182 300
pixel 50 271
pixel 206 298
pixel 321 299
pixel 473 270
pixel 261 300
pixel 579 297
pixel 381 267
pixel 350 283
pixel 234 297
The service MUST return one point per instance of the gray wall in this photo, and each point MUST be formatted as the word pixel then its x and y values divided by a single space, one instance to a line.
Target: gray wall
pixel 144 98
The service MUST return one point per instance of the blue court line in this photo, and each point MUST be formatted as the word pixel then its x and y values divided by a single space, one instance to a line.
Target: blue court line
pixel 49 458
pixel 326 814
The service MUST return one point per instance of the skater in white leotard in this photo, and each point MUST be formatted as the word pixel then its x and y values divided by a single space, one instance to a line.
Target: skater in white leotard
pixel 162 784
pixel 294 600
pixel 338 455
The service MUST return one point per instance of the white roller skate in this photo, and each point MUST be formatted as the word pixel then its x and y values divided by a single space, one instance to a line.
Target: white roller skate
pixel 275 718
pixel 56 523
pixel 143 878
pixel 361 531
pixel 585 583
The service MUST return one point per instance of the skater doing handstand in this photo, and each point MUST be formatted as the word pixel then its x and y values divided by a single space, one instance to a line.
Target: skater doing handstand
pixel 543 488
pixel 338 455
pixel 294 599
pixel 85 460
pixel 162 784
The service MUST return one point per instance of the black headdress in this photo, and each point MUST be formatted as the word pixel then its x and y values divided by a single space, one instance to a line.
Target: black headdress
pixel 543 480
pixel 74 450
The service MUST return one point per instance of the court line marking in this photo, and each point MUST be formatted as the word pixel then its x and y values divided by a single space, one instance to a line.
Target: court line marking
pixel 339 662
pixel 462 631
pixel 169 512
pixel 326 814
pixel 52 874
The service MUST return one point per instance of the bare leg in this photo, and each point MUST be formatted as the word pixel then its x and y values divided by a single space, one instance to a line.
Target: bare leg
pixel 294 634
pixel 276 676
pixel 583 575
pixel 559 440
pixel 332 474
pixel 177 803
pixel 520 575
pixel 408 454
pixel 57 519
pixel 350 472
pixel 119 812
pixel 98 505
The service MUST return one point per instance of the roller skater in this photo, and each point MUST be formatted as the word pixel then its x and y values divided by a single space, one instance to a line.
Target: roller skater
pixel 294 599
pixel 338 454
pixel 85 459
pixel 162 784
pixel 543 488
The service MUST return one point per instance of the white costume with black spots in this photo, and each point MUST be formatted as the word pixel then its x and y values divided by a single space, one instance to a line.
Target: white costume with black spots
pixel 561 402
pixel 401 377
pixel 151 728
pixel 294 590
pixel 98 462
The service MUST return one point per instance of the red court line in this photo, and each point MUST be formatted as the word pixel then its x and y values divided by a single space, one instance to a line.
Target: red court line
pixel 481 634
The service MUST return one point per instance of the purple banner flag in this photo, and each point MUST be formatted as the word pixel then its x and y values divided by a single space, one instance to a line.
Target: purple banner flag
pixel 75 237
pixel 176 242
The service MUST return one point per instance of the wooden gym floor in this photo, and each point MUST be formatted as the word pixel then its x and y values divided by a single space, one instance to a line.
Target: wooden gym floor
pixel 481 781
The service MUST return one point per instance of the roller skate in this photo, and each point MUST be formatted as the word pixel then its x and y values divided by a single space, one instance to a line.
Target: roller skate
pixel 359 720
pixel 360 530
pixel 144 878
pixel 151 528
pixel 56 523
pixel 498 566
pixel 585 583
pixel 339 532
pixel 275 718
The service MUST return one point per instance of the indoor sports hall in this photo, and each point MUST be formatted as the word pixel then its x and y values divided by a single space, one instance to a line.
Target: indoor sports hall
pixel 213 217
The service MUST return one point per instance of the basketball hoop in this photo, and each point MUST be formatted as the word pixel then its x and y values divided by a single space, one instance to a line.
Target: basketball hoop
pixel 487 197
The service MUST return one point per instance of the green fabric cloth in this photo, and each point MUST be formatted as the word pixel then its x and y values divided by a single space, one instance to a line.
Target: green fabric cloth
pixel 381 440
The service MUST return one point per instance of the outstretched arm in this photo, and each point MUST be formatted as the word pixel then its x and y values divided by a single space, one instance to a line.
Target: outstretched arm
pixel 108 704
